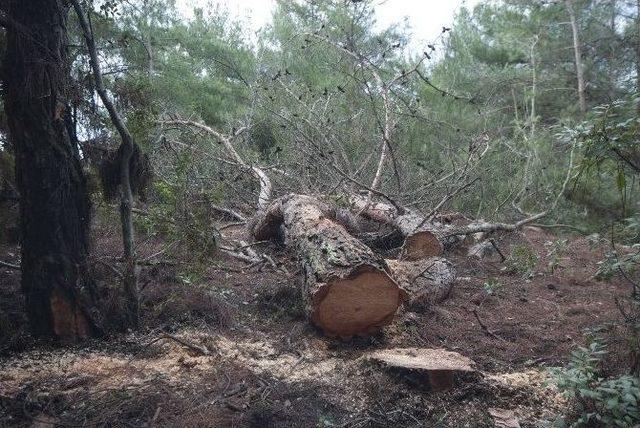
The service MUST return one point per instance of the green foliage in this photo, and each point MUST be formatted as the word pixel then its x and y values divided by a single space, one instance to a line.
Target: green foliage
pixel 492 285
pixel 610 147
pixel 522 260
pixel 557 249
pixel 609 402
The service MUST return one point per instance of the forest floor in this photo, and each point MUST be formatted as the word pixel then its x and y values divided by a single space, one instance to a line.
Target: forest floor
pixel 268 367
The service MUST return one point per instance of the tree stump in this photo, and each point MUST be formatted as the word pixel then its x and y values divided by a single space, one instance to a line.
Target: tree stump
pixel 437 365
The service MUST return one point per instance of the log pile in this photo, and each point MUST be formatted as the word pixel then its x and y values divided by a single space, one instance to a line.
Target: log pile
pixel 421 237
pixel 348 288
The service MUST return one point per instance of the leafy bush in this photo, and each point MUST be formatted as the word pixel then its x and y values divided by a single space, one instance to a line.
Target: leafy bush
pixel 606 402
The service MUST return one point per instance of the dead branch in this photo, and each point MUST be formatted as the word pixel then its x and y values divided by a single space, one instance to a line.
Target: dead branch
pixel 484 327
pixel 9 265
pixel 494 227
pixel 200 349
pixel 229 212
pixel 128 147
pixel 265 183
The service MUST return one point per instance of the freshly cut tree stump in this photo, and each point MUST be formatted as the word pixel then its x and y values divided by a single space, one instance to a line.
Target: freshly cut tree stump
pixel 438 365
pixel 347 287
pixel 421 238
pixel 426 281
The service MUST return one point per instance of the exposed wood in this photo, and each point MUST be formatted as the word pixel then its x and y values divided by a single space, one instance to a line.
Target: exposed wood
pixel 503 418
pixel 438 365
pixel 421 238
pixel 347 288
pixel 426 281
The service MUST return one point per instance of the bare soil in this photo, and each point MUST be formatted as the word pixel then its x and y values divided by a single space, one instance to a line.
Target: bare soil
pixel 268 367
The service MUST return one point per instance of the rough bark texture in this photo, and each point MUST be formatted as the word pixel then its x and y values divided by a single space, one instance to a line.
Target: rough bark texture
pixel 347 287
pixel 54 205
pixel 426 281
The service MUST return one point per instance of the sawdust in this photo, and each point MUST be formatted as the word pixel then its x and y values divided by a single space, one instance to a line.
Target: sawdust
pixel 540 386
pixel 261 357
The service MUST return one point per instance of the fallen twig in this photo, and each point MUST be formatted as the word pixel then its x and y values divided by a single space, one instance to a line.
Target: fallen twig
pixel 9 265
pixel 200 349
pixel 493 243
pixel 484 326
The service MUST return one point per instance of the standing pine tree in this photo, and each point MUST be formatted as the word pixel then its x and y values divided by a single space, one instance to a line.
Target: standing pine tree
pixel 54 205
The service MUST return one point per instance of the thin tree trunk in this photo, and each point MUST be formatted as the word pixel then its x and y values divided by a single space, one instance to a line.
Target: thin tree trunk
pixel 578 56
pixel 54 205
pixel 638 53
pixel 534 85
pixel 126 194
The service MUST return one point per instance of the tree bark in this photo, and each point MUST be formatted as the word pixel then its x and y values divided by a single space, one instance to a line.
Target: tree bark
pixel 130 283
pixel 638 53
pixel 54 205
pixel 577 55
pixel 347 288
pixel 426 281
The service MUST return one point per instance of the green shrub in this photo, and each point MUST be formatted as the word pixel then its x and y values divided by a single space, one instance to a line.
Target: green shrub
pixel 522 260
pixel 606 402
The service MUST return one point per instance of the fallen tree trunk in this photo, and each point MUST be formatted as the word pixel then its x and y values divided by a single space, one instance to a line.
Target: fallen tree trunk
pixel 347 288
pixel 426 281
pixel 422 239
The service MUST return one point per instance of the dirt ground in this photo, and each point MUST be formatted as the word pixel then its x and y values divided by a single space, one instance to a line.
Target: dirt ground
pixel 230 346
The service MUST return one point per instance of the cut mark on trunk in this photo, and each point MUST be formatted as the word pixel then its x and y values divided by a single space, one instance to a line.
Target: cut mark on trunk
pixel 69 323
pixel 359 304
pixel 421 245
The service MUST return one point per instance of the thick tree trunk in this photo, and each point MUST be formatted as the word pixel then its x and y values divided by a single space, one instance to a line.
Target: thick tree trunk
pixel 637 53
pixel 421 238
pixel 54 204
pixel 426 281
pixel 347 287
pixel 578 56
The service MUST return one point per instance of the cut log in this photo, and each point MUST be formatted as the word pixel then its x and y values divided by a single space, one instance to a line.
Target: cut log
pixel 426 281
pixel 347 288
pixel 421 238
pixel 438 365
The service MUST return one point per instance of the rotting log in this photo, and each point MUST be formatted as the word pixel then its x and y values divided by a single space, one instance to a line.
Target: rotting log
pixel 347 288
pixel 426 281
